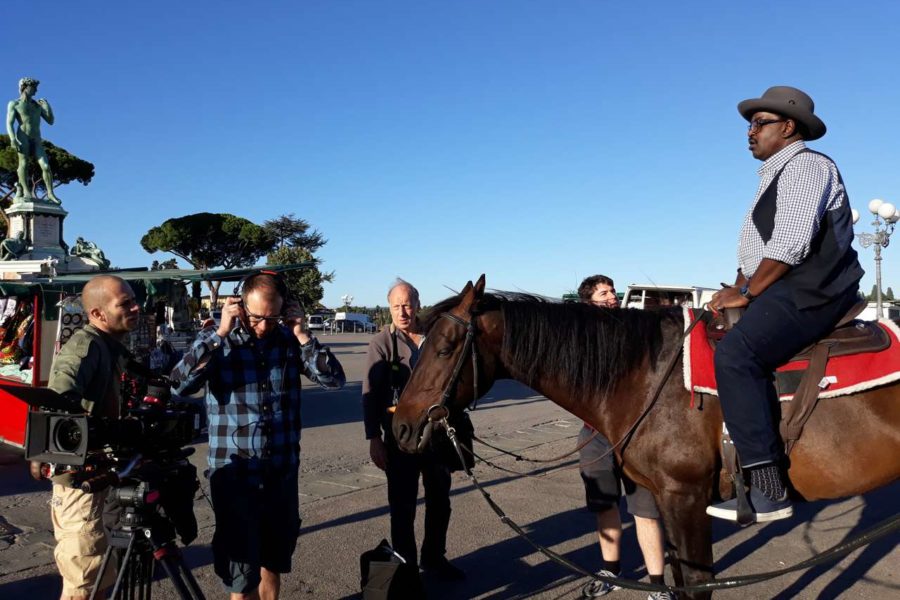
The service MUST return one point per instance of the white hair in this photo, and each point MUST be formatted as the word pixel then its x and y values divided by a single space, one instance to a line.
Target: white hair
pixel 400 282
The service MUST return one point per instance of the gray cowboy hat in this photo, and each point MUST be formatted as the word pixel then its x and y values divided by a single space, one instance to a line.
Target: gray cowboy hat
pixel 788 102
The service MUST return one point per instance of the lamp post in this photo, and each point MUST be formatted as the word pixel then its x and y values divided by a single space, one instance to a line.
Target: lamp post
pixel 886 216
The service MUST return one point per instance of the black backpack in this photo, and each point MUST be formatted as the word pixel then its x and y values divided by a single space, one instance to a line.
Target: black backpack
pixel 385 575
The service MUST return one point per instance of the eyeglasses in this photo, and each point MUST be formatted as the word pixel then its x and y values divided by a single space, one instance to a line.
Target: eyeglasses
pixel 255 319
pixel 757 124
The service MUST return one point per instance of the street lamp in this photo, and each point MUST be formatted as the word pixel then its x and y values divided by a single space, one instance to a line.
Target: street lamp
pixel 886 216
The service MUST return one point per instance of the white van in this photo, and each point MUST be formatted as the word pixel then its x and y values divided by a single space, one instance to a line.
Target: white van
pixel 315 323
pixel 654 296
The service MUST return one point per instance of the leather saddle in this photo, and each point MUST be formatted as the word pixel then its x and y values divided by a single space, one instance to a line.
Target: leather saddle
pixel 849 336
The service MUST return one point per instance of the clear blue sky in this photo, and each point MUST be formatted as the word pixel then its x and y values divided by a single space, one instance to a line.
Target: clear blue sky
pixel 536 142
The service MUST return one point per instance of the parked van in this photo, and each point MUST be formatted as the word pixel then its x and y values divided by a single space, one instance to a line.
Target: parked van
pixel 315 323
pixel 653 296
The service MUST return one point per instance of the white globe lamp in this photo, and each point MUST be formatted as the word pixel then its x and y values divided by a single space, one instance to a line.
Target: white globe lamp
pixel 886 210
pixel 874 205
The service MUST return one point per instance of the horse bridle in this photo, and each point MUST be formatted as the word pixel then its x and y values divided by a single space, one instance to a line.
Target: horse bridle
pixel 438 413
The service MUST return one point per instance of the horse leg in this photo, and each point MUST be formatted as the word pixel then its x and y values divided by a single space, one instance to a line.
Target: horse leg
pixel 689 530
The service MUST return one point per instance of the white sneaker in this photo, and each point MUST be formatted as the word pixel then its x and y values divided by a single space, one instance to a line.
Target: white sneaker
pixel 661 596
pixel 598 587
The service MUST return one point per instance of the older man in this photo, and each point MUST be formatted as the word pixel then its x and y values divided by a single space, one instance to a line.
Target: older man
pixel 87 371
pixel 797 276
pixel 392 355
pixel 603 481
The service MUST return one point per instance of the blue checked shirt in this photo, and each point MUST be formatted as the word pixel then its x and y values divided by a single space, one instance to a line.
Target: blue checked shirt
pixel 253 394
pixel 808 187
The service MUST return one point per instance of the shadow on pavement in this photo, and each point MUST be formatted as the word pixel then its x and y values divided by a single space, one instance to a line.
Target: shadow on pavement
pixel 41 586
pixel 878 505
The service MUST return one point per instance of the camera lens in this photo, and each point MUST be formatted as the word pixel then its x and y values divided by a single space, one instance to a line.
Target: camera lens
pixel 67 435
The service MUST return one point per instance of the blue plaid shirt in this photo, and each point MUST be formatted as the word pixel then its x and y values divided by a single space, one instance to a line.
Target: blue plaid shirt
pixel 253 394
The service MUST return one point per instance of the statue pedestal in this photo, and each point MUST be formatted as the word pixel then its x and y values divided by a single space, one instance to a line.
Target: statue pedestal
pixel 42 224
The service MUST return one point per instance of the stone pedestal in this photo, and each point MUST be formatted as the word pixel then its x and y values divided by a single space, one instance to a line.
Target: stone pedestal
pixel 43 227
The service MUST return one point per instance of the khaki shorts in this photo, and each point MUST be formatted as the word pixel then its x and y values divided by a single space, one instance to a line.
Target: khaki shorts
pixel 78 525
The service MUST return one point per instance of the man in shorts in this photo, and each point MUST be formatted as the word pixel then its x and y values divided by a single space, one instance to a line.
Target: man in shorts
pixel 252 365
pixel 603 482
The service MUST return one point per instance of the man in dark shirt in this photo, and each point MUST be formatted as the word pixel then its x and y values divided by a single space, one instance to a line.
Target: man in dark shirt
pixel 797 276
pixel 252 365
pixel 392 355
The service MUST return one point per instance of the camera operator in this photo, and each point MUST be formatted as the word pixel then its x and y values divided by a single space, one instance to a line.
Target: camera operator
pixel 252 365
pixel 88 371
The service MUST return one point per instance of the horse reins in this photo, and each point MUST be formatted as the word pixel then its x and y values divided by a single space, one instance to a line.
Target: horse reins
pixel 439 412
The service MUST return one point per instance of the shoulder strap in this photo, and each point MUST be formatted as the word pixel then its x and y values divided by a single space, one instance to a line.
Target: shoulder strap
pixel 395 366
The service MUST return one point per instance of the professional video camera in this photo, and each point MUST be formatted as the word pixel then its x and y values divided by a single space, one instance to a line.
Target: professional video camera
pixel 141 456
pixel 60 433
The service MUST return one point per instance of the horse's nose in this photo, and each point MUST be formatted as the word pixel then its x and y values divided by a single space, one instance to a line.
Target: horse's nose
pixel 404 433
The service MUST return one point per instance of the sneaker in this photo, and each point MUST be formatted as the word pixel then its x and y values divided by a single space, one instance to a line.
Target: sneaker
pixel 764 508
pixel 443 569
pixel 598 587
pixel 661 596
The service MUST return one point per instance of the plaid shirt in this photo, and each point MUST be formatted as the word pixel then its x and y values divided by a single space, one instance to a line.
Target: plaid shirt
pixel 253 394
pixel 809 185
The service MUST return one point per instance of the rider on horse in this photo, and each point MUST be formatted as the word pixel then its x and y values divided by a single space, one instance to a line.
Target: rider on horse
pixel 797 276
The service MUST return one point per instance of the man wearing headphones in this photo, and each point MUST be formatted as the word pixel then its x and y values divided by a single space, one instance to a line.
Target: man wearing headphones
pixel 252 365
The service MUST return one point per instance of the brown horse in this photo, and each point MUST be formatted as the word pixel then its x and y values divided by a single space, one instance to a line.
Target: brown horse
pixel 603 365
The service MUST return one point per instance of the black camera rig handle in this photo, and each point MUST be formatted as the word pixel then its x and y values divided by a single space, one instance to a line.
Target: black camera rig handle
pixel 99 482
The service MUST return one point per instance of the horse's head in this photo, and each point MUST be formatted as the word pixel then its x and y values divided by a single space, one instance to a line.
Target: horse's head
pixel 457 364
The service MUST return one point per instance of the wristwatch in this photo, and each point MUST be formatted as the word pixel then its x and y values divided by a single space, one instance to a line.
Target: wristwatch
pixel 745 292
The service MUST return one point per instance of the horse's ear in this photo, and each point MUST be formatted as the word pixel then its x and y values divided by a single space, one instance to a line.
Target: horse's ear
pixel 479 287
pixel 468 297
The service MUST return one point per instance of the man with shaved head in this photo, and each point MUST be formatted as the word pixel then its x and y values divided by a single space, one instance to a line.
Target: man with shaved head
pixel 87 371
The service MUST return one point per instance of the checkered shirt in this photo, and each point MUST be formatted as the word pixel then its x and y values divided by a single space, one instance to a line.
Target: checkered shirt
pixel 809 185
pixel 253 394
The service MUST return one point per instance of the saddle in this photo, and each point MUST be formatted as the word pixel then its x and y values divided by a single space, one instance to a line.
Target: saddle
pixel 849 336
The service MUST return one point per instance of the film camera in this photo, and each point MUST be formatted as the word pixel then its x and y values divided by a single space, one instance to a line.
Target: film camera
pixel 141 457
pixel 60 433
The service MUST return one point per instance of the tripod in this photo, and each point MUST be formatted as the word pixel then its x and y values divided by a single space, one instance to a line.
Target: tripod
pixel 143 539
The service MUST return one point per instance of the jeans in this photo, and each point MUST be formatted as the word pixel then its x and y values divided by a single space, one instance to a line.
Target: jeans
pixel 771 332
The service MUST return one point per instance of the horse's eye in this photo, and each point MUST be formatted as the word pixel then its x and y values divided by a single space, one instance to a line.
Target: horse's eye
pixel 444 352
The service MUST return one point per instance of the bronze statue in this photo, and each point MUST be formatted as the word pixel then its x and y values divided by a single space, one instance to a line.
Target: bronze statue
pixel 26 139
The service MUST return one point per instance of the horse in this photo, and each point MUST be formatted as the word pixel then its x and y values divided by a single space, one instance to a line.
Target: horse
pixel 602 365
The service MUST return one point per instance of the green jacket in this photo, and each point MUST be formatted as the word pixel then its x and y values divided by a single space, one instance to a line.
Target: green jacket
pixel 88 369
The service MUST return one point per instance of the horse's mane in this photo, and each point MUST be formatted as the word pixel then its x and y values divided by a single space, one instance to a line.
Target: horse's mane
pixel 590 347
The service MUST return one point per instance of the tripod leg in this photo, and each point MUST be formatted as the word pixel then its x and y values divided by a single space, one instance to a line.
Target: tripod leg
pixel 103 565
pixel 178 572
pixel 123 568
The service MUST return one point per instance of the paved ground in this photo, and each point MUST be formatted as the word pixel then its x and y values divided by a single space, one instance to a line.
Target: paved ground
pixel 344 511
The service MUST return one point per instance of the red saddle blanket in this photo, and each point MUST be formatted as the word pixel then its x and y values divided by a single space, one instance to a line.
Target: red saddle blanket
pixel 843 374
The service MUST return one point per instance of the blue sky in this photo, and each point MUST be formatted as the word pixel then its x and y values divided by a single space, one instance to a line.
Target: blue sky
pixel 536 142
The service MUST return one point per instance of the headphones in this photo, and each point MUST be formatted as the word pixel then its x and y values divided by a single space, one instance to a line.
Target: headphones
pixel 281 287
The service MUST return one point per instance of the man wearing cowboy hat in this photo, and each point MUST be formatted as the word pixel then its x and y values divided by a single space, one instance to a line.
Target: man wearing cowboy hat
pixel 797 276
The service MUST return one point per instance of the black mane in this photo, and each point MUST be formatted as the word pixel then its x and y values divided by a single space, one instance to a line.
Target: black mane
pixel 590 347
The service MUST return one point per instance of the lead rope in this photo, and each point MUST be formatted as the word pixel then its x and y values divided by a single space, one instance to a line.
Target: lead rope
pixel 867 537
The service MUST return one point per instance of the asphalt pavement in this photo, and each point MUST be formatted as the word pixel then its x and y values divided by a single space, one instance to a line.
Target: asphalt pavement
pixel 344 508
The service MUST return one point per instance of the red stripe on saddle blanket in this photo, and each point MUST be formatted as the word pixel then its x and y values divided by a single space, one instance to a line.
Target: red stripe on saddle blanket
pixel 843 374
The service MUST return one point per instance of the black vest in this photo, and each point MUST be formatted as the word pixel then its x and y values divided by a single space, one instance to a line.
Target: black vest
pixel 829 269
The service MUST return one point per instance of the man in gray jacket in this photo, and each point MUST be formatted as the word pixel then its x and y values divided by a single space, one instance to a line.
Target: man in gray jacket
pixel 392 355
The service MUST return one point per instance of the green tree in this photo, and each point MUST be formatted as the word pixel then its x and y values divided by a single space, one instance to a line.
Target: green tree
pixel 873 294
pixel 210 240
pixel 66 168
pixel 290 231
pixel 305 285
pixel 889 294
